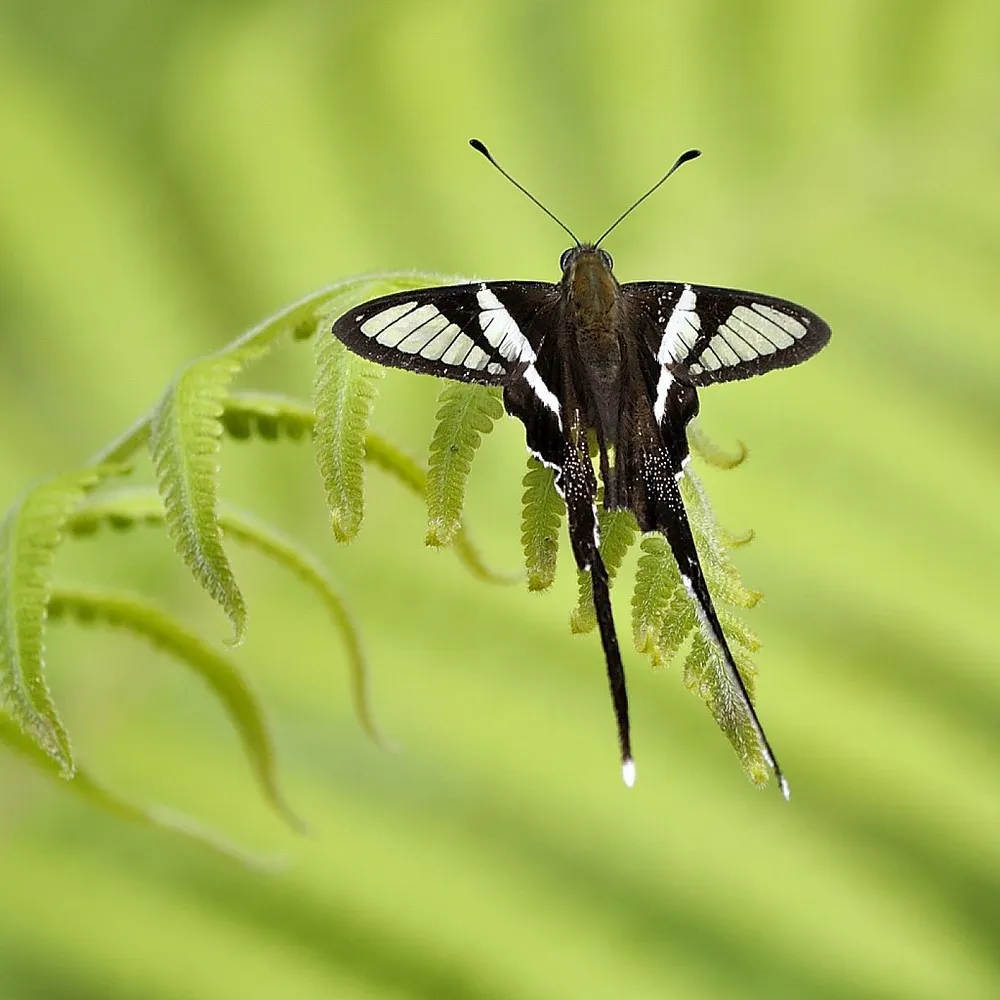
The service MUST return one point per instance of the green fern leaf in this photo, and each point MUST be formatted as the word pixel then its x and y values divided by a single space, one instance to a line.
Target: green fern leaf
pixel 387 457
pixel 708 451
pixel 618 531
pixel 88 788
pixel 297 322
pixel 131 614
pixel 30 532
pixel 249 413
pixel 679 622
pixel 542 512
pixel 737 631
pixel 664 617
pixel 185 439
pixel 269 416
pixel 707 677
pixel 344 392
pixel 723 577
pixel 125 508
pixel 656 582
pixel 310 571
pixel 183 432
pixel 466 412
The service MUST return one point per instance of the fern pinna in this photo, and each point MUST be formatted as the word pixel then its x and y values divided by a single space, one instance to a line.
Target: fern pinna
pixel 183 434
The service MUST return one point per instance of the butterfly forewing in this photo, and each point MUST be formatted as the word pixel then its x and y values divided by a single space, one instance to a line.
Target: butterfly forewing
pixel 722 334
pixel 484 332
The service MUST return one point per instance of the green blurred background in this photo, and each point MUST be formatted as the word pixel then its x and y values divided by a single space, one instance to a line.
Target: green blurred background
pixel 171 172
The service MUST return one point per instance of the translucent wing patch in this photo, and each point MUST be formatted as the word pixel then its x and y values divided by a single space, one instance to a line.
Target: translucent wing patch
pixel 681 325
pixel 750 332
pixel 423 330
pixel 720 334
pixel 474 333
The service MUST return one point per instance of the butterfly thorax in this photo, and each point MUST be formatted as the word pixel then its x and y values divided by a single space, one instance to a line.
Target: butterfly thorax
pixel 592 312
pixel 592 315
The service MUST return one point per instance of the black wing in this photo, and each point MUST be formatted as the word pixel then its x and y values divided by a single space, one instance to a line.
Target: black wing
pixel 544 400
pixel 480 332
pixel 721 334
pixel 688 333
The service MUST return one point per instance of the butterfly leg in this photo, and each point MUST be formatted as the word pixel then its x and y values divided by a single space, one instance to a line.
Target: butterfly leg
pixel 666 514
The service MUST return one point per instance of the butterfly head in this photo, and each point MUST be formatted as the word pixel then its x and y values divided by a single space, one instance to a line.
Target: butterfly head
pixel 587 273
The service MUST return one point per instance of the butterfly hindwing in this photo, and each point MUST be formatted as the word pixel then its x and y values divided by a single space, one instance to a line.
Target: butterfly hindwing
pixel 722 334
pixel 478 332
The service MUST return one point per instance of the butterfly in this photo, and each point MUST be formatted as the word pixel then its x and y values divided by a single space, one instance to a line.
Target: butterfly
pixel 589 358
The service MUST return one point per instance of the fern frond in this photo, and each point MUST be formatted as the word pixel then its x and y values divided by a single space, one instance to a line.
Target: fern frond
pixel 679 621
pixel 664 617
pixel 269 416
pixel 134 615
pixel 466 412
pixel 87 787
pixel 126 508
pixel 737 631
pixel 183 432
pixel 542 512
pixel 312 573
pixel 657 580
pixel 344 390
pixel 344 393
pixel 722 575
pixel 30 532
pixel 273 416
pixel 618 531
pixel 708 451
pixel 387 457
pixel 707 677
pixel 185 439
pixel 299 322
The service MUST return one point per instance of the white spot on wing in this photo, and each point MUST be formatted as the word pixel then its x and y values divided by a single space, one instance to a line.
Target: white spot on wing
pixel 424 325
pixel 662 388
pixel 545 395
pixel 709 360
pixel 441 342
pixel 458 350
pixel 737 342
pixel 770 337
pixel 374 325
pixel 681 330
pixel 787 323
pixel 723 351
pixel 499 328
pixel 744 322
pixel 477 359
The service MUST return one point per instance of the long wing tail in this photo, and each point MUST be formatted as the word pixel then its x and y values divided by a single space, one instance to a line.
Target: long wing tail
pixel 549 442
pixel 664 512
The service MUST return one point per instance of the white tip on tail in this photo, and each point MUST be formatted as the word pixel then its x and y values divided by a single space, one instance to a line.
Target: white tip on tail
pixel 628 772
pixel 785 790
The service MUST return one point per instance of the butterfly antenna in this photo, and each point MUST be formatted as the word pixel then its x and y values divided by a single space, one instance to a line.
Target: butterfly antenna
pixel 481 148
pixel 691 154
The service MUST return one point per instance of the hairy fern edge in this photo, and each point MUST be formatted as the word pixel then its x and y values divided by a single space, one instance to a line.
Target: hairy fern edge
pixel 30 533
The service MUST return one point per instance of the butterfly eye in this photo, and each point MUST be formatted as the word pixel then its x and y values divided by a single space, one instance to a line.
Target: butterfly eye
pixel 565 258
pixel 606 257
